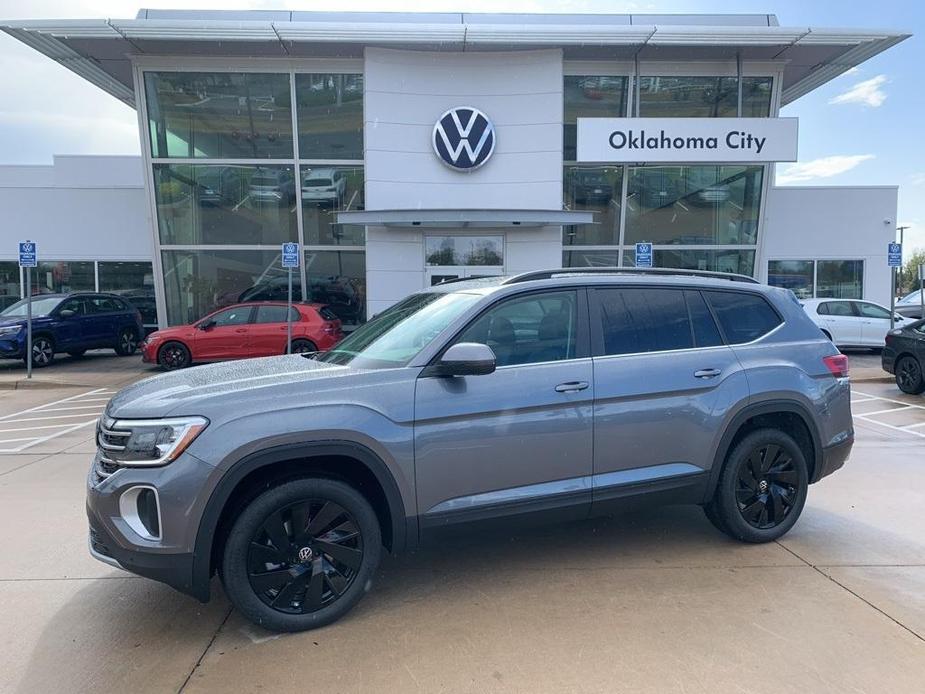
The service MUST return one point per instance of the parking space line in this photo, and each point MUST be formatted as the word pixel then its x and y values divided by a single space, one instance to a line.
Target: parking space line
pixel 868 417
pixel 890 426
pixel 78 407
pixel 892 409
pixel 27 438
pixel 49 437
pixel 47 404
pixel 33 428
pixel 42 419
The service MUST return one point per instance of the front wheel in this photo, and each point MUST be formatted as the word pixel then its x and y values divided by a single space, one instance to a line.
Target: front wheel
pixel 43 351
pixel 301 555
pixel 909 376
pixel 762 488
pixel 127 343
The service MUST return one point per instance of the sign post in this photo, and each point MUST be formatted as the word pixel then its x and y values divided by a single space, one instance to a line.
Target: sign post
pixel 894 258
pixel 922 290
pixel 643 255
pixel 290 257
pixel 28 260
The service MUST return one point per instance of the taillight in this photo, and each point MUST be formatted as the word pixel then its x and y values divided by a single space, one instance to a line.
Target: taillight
pixel 837 364
pixel 329 328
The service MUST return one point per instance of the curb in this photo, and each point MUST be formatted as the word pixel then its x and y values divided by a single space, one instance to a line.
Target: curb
pixel 26 384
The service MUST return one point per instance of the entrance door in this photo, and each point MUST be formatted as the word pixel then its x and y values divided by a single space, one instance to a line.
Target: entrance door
pixel 459 257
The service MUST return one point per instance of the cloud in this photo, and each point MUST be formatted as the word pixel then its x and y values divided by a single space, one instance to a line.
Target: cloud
pixel 850 72
pixel 918 178
pixel 867 93
pixel 824 167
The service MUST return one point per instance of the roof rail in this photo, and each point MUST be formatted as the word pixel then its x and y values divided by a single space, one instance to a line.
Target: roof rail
pixel 547 274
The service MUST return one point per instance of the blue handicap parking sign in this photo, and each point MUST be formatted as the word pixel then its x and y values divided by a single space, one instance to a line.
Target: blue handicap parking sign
pixel 290 254
pixel 27 254
pixel 894 254
pixel 643 255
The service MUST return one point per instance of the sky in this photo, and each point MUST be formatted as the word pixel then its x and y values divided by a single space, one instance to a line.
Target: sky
pixel 863 128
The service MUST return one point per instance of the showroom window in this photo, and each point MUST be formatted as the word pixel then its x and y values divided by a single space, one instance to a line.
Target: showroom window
pixel 10 287
pixel 596 189
pixel 330 110
pixel 134 282
pixel 703 97
pixel 835 279
pixel 590 96
pixel 464 250
pixel 54 277
pixel 741 262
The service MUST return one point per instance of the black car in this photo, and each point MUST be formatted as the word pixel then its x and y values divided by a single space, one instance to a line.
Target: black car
pixel 904 356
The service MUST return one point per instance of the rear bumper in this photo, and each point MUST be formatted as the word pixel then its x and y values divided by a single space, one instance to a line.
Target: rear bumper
pixel 833 458
pixel 888 359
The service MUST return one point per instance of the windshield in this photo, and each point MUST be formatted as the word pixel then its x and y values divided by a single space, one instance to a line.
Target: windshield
pixel 396 335
pixel 318 182
pixel 912 298
pixel 40 307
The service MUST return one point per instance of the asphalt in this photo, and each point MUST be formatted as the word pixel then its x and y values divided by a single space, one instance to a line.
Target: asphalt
pixel 653 601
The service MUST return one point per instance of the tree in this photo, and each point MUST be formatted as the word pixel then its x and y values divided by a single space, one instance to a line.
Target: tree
pixel 909 276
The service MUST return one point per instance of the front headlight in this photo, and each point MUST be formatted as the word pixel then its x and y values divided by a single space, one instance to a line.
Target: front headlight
pixel 147 442
pixel 10 330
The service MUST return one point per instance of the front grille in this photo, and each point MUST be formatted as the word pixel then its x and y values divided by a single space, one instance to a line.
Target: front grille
pixel 110 442
pixel 98 545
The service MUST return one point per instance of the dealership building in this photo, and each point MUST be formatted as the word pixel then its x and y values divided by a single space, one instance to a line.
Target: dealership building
pixel 402 150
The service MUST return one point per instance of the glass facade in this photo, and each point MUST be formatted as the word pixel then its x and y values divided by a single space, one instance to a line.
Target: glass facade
pixel 703 97
pixel 824 279
pixel 464 250
pixel 714 260
pixel 10 288
pixel 53 277
pixel 244 206
pixel 590 96
pixel 134 281
pixel 597 189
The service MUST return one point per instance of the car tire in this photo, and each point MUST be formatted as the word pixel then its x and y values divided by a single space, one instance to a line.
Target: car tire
pixel 77 353
pixel 43 351
pixel 762 487
pixel 285 579
pixel 127 343
pixel 303 346
pixel 173 355
pixel 909 376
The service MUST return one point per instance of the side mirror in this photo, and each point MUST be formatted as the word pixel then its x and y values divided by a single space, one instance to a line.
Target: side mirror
pixel 66 313
pixel 206 324
pixel 465 359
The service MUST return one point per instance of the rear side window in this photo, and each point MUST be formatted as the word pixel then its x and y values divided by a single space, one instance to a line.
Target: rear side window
pixel 326 313
pixel 274 314
pixel 743 317
pixel 706 334
pixel 102 304
pixel 822 309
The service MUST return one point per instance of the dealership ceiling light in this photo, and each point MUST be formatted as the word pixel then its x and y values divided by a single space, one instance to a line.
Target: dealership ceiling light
pixel 101 50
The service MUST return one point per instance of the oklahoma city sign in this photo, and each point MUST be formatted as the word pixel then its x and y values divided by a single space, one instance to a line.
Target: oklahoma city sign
pixel 687 139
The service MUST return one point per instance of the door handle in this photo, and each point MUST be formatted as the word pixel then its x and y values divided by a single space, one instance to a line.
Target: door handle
pixel 241 330
pixel 571 386
pixel 707 373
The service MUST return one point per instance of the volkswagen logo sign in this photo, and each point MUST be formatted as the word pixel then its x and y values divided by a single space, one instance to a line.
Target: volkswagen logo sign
pixel 464 138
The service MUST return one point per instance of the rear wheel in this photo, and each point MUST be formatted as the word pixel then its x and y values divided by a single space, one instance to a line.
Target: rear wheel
pixel 127 343
pixel 762 488
pixel 301 555
pixel 174 355
pixel 43 351
pixel 303 346
pixel 909 375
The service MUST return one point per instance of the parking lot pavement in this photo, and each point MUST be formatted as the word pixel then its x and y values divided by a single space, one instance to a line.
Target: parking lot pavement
pixel 96 368
pixel 653 601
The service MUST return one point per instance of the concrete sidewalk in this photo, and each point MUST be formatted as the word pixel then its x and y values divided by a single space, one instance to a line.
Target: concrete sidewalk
pixel 95 369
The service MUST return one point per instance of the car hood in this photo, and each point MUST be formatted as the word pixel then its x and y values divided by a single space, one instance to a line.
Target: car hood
pixel 202 388
pixel 11 322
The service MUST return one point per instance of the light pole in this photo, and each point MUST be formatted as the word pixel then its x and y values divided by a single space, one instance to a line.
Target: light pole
pixel 901 230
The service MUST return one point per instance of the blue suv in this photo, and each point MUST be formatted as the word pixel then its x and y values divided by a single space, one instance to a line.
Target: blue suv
pixel 71 323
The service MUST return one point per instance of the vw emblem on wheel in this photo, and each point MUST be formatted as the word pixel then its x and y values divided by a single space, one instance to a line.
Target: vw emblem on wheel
pixel 464 138
pixel 305 554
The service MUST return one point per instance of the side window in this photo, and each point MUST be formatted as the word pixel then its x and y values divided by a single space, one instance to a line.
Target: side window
pixel 233 316
pixel 706 334
pixel 871 311
pixel 645 320
pixel 75 305
pixel 840 308
pixel 528 329
pixel 743 317
pixel 823 309
pixel 274 314
pixel 102 304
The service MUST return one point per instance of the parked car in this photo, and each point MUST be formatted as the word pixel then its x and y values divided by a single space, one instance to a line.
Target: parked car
pixel 324 186
pixel 243 331
pixel 274 186
pixel 71 323
pixel 910 306
pixel 850 323
pixel 548 395
pixel 904 356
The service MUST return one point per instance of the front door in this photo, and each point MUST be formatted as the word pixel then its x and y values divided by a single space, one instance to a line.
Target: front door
pixel 875 323
pixel 460 257
pixel 518 439
pixel 223 335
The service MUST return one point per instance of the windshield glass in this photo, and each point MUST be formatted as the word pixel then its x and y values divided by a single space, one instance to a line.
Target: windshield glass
pixel 912 298
pixel 318 182
pixel 396 335
pixel 40 307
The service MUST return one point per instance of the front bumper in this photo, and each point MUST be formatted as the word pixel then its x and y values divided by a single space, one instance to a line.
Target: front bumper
pixel 169 557
pixel 12 347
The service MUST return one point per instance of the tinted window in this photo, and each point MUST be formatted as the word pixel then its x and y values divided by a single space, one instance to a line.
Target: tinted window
pixel 644 320
pixel 839 308
pixel 327 313
pixel 706 334
pixel 822 309
pixel 75 305
pixel 529 329
pixel 872 311
pixel 103 304
pixel 274 314
pixel 233 316
pixel 743 317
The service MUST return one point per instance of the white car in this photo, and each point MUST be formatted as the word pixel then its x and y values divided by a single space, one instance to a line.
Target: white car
pixel 851 322
pixel 324 186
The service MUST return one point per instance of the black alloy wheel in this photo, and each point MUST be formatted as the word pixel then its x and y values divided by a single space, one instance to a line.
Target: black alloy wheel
pixel 762 487
pixel 302 554
pixel 303 347
pixel 127 343
pixel 43 351
pixel 909 376
pixel 173 355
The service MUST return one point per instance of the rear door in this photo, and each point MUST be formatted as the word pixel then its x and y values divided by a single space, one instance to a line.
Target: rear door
pixel 663 378
pixel 268 331
pixel 518 439
pixel 102 321
pixel 840 320
pixel 228 338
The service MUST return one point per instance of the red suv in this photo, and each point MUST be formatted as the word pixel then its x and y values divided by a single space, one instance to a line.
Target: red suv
pixel 242 331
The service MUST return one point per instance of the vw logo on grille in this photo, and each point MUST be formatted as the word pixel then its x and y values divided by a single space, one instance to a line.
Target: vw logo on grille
pixel 464 138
